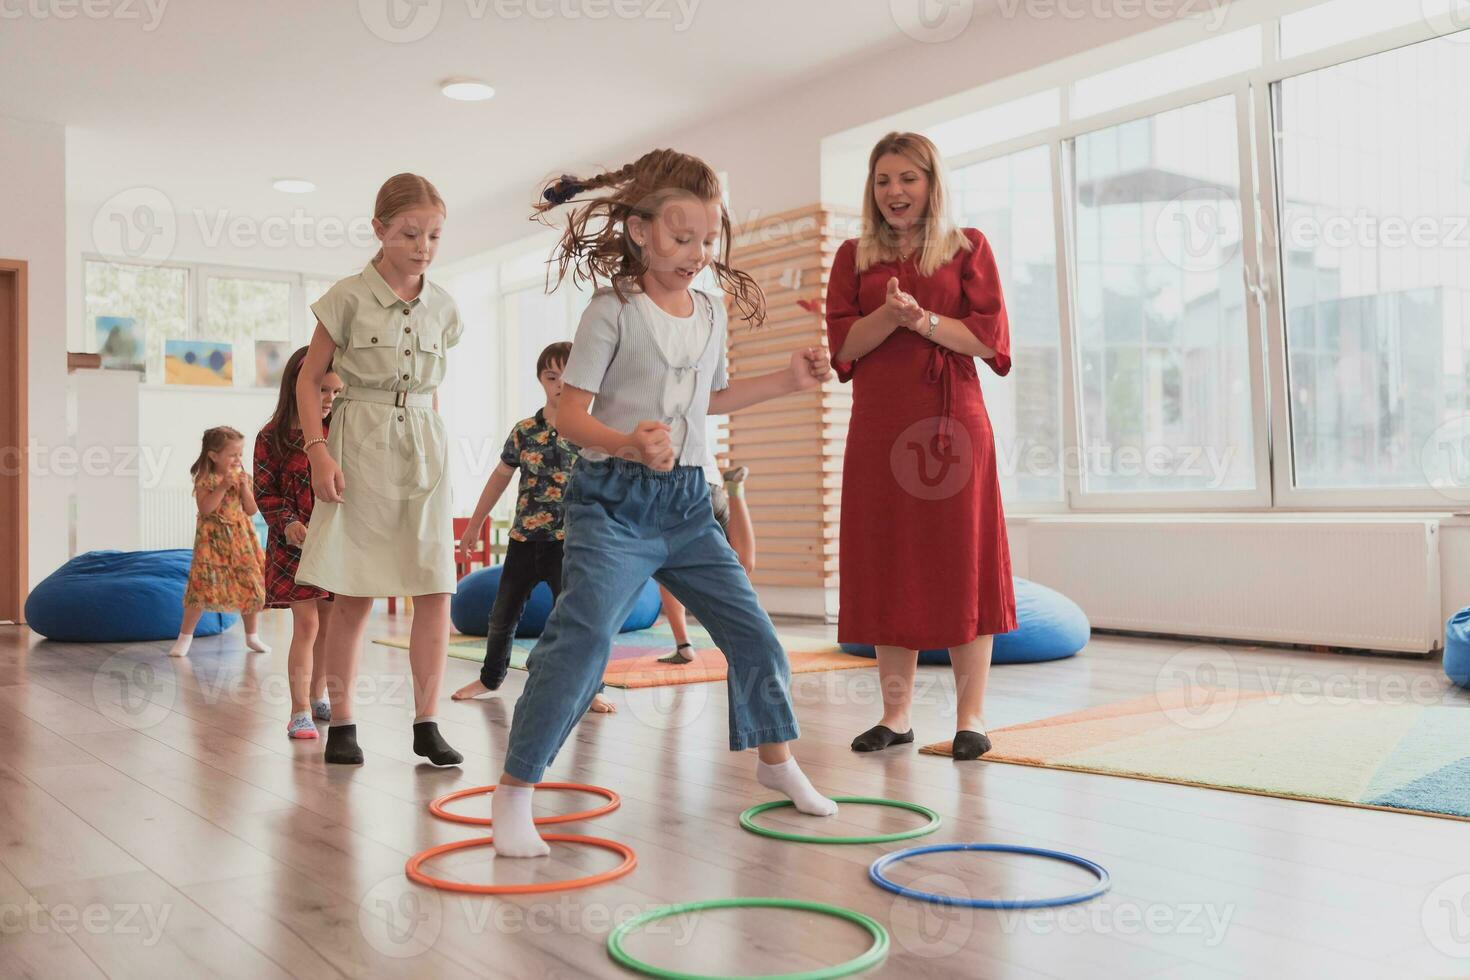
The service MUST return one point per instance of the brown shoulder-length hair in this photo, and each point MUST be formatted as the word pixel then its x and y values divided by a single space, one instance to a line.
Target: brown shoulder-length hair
pixel 214 439
pixel 401 192
pixel 286 418
pixel 939 239
pixel 596 247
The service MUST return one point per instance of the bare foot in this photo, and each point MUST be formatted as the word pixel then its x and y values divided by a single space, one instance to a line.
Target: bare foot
pixel 471 690
pixel 601 705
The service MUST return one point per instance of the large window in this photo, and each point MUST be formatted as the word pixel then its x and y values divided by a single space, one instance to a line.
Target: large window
pixel 156 297
pixel 1160 304
pixel 1010 200
pixel 312 289
pixel 1171 71
pixel 242 310
pixel 1375 202
pixel 1249 285
pixel 193 302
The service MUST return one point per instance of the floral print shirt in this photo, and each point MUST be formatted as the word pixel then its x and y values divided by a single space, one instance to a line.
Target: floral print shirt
pixel 545 461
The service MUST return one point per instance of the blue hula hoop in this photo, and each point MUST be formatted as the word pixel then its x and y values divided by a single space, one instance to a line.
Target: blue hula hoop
pixel 1104 880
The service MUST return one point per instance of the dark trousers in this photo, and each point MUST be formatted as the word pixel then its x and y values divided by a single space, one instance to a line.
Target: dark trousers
pixel 527 563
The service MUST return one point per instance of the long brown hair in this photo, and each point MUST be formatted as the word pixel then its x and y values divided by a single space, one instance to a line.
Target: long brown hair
pixel 214 439
pixel 939 239
pixel 401 192
pixel 285 417
pixel 596 247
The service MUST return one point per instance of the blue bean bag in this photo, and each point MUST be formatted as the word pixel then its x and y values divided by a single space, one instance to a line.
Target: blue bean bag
pixel 469 610
pixel 1049 626
pixel 118 597
pixel 1457 648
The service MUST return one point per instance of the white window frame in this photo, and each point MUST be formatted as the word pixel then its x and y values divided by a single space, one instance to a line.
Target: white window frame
pixel 196 274
pixel 1255 92
pixel 245 361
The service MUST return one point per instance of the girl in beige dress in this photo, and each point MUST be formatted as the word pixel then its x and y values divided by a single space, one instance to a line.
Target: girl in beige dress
pixel 383 522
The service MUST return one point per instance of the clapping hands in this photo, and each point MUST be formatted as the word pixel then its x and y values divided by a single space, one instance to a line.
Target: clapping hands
pixel 904 309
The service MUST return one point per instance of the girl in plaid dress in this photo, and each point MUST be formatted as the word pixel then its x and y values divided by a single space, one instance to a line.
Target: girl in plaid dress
pixel 283 490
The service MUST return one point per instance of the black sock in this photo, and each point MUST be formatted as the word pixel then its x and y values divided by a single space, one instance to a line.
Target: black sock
pixel 879 737
pixel 969 745
pixel 342 747
pixel 679 656
pixel 428 743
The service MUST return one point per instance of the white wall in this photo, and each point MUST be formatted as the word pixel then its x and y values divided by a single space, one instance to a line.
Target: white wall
pixel 106 417
pixel 171 421
pixel 32 228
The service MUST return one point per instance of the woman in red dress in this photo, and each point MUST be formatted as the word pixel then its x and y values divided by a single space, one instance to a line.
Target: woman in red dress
pixel 924 562
pixel 283 490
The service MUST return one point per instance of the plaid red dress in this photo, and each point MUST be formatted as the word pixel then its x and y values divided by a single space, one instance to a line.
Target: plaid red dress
pixel 283 491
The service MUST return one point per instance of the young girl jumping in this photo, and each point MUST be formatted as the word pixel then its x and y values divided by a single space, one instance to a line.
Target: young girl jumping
pixel 283 490
pixel 227 573
pixel 647 365
pixel 383 522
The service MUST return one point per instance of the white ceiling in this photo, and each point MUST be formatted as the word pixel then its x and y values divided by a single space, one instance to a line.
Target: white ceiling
pixel 216 98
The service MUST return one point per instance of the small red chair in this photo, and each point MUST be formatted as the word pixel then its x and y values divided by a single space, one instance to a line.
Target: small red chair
pixel 464 561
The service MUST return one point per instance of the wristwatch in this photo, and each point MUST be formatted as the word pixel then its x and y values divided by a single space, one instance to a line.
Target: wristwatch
pixel 933 325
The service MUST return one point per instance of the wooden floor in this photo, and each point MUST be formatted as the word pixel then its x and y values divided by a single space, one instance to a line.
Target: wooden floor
pixel 155 822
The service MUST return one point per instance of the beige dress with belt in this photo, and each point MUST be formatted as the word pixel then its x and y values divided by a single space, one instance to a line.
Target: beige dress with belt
pixel 393 533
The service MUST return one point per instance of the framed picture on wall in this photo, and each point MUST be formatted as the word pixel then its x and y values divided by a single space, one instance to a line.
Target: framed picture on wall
pixel 198 362
pixel 120 342
pixel 270 362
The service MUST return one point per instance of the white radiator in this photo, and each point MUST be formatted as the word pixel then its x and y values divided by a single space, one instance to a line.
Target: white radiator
pixel 168 518
pixel 1363 583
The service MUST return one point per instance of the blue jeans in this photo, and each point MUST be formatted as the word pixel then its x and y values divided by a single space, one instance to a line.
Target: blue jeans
pixel 625 522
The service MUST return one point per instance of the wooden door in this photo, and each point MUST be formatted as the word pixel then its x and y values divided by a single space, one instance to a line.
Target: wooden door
pixel 13 438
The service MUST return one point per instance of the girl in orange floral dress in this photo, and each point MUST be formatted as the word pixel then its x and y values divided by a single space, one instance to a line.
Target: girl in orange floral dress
pixel 228 571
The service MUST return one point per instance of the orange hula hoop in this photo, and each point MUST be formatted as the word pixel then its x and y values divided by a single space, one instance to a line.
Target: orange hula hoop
pixel 439 807
pixel 630 861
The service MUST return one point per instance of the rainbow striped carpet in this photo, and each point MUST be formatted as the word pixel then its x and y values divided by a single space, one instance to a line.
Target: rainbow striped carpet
pixel 1398 755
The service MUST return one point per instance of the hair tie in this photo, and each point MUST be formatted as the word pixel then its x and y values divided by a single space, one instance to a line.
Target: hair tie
pixel 563 190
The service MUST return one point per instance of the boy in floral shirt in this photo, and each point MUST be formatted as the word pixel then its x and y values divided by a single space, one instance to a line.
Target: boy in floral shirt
pixel 534 554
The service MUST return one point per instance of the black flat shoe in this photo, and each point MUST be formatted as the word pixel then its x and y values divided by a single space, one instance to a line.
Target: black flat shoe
pixel 970 745
pixel 879 737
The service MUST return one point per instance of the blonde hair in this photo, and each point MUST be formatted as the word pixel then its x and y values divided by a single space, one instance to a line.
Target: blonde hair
pixel 939 238
pixel 596 246
pixel 214 439
pixel 401 192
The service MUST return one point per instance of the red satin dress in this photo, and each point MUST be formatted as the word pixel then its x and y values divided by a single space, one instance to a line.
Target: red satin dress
pixel 924 561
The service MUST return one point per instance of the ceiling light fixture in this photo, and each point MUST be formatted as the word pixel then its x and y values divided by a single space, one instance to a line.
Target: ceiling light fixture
pixel 466 90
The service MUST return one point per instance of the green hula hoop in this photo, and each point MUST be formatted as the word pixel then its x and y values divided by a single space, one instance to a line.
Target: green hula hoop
pixel 869 958
pixel 747 820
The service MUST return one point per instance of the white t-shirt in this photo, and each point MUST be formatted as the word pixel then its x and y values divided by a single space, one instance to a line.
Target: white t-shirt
pixel 682 339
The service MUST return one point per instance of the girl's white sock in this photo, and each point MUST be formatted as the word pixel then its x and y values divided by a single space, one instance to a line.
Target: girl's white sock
pixel 512 823
pixel 787 777
pixel 181 645
pixel 254 642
